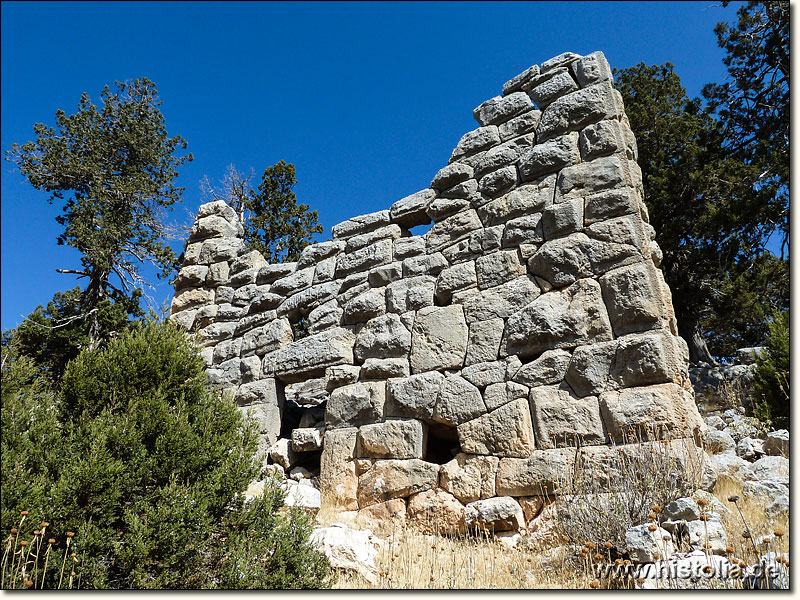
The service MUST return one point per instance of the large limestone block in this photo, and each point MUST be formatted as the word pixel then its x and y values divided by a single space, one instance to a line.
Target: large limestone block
pixel 214 227
pixel 383 337
pixel 267 338
pixel 611 203
pixel 219 208
pixel 502 108
pixel 506 431
pixel 607 137
pixel 475 140
pixel 550 156
pixel 524 123
pixel 291 284
pixel 458 401
pixel 219 249
pixel 312 354
pixel 411 210
pixel 655 411
pixel 451 175
pixel 539 474
pixel 439 338
pixel 636 298
pixel 551 85
pixel 596 176
pixel 337 473
pixel 503 155
pixel 428 264
pixel 384 519
pixel 500 302
pixel 523 230
pixel 190 275
pixel 494 514
pixel 498 267
pixel 273 272
pixel 413 396
pixel 498 394
pixel 575 110
pixel 590 368
pixel 396 438
pixel 657 357
pixel 191 298
pixel 525 199
pixel 374 255
pixel 389 479
pixel 389 232
pixel 264 400
pixel 522 81
pixel 562 419
pixel 548 369
pixel 435 512
pixel 307 439
pixel 498 182
pixel 469 478
pixel 484 340
pixel 364 307
pixel 450 230
pixel 383 368
pixel 559 319
pixel 592 68
pixel 316 253
pixel 411 293
pixel 308 393
pixel 457 277
pixel 360 224
pixel 356 404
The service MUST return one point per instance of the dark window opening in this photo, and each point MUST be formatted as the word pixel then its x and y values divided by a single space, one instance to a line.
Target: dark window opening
pixel 442 445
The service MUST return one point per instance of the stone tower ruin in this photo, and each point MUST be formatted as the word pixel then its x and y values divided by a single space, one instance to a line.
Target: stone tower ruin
pixel 528 329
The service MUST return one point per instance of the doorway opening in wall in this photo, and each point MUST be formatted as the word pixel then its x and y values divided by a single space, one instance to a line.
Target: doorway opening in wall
pixel 305 445
pixel 442 444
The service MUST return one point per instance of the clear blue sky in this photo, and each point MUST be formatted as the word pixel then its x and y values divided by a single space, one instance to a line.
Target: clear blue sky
pixel 366 99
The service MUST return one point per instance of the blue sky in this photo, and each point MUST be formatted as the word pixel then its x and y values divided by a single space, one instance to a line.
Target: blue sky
pixel 366 99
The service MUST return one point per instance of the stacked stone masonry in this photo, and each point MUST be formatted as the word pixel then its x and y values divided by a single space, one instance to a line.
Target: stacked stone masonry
pixel 461 371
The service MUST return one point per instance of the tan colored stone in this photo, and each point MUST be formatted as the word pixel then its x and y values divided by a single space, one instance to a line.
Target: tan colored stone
pixel 435 512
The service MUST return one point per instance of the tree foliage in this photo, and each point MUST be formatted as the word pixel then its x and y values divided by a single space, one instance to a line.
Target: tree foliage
pixel 112 170
pixel 772 374
pixel 753 105
pixel 711 222
pixel 274 223
pixel 146 466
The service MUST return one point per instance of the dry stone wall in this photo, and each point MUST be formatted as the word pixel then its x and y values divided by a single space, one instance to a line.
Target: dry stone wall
pixel 459 370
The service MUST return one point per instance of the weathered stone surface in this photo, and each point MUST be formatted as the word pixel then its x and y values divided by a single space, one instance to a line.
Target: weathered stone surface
pixel 635 297
pixel 341 375
pixel 324 317
pixel 538 474
pixel 548 369
pixel 383 337
pixel 708 532
pixel 484 340
pixel 408 246
pixel 451 175
pixel 777 443
pixel 498 182
pixel 609 204
pixel 645 545
pixel 410 293
pixel 562 218
pixel 452 229
pixel 590 368
pixel 313 353
pixel 475 140
pixel 657 357
pixel 436 512
pixel 501 108
pixel 267 338
pixel 214 227
pixel 523 230
pixel 365 306
pixel 311 392
pixel 498 267
pixel 485 373
pixel 191 297
pixel 521 81
pixel 191 275
pixel 561 419
pixel 356 404
pixel 411 210
pixel 383 368
pixel 458 401
pixel 469 477
pixel 650 412
pixel 494 514
pixel 413 396
pixel 282 454
pixel 498 394
pixel 606 137
pixel 307 439
pixel 393 439
pixel 596 176
pixel 219 249
pixel 261 401
pixel 389 479
pixel 379 253
pixel 270 273
pixel 524 123
pixel 441 208
pixel 506 431
pixel 575 110
pixel 388 232
pixel 592 68
pixel 525 199
pixel 428 264
pixel 439 338
pixel 565 58
pixel 337 474
pixel 381 276
pixel 360 224
pixel 503 155
pixel 502 301
pixel 564 319
pixel 457 277
pixel 555 83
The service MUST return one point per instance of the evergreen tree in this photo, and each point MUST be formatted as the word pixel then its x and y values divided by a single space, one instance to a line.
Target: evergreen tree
pixel 112 170
pixel 711 222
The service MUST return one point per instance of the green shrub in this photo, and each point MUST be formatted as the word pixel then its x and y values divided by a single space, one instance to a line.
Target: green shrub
pixel 772 375
pixel 145 465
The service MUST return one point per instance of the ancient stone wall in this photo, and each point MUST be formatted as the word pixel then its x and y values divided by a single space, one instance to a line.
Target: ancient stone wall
pixel 453 367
